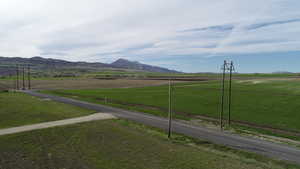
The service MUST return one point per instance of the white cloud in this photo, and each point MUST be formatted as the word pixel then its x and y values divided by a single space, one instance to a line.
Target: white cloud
pixel 94 30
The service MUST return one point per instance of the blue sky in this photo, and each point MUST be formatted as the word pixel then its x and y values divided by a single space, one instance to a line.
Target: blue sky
pixel 244 63
pixel 186 35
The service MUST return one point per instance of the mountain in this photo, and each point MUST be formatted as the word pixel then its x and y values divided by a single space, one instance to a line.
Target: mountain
pixel 126 64
pixel 44 65
pixel 39 61
pixel 282 72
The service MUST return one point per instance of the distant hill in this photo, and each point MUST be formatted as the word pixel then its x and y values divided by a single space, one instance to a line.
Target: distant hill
pixel 126 64
pixel 282 72
pixel 39 64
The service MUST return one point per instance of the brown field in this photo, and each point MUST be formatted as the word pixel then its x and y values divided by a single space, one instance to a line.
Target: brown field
pixel 93 83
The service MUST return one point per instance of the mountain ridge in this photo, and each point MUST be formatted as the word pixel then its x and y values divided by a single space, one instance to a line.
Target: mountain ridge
pixel 41 63
pixel 127 64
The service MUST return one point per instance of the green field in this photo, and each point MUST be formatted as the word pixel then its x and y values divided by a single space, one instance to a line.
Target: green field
pixel 118 144
pixel 18 109
pixel 266 102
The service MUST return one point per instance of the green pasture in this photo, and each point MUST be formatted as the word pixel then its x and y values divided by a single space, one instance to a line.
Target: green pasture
pixel 119 144
pixel 266 102
pixel 18 109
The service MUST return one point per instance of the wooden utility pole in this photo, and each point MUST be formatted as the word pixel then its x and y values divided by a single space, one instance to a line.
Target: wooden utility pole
pixel 17 78
pixel 227 66
pixel 223 93
pixel 170 110
pixel 229 94
pixel 23 78
pixel 29 78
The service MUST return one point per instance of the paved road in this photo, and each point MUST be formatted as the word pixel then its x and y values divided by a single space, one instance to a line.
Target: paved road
pixel 262 147
pixel 93 117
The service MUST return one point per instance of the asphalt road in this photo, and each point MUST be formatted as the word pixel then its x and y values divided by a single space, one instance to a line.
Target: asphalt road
pixel 273 150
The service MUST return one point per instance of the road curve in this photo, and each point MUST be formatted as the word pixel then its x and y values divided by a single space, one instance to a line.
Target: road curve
pixel 273 150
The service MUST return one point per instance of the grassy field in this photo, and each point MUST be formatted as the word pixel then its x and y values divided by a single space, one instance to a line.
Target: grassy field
pixel 18 109
pixel 271 102
pixel 119 144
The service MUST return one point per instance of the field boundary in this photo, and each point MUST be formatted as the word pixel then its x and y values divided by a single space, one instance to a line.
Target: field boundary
pixel 267 128
pixel 288 132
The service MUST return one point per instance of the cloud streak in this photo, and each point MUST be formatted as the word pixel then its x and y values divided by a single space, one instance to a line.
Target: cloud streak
pixel 217 28
pixel 267 24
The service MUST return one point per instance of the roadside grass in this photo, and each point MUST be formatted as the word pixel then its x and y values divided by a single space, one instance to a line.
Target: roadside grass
pixel 120 144
pixel 18 109
pixel 272 103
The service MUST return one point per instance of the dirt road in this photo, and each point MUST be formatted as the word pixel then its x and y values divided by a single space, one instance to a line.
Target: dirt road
pixel 93 117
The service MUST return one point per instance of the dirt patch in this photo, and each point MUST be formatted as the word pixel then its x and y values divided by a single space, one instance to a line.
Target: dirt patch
pixel 267 80
pixel 46 99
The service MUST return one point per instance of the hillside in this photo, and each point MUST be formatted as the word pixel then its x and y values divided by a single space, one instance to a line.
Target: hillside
pixel 44 65
pixel 126 64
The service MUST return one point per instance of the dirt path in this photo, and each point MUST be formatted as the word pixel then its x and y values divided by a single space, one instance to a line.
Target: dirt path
pixel 93 117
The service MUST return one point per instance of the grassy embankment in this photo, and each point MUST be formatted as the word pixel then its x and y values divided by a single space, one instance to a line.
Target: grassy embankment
pixel 18 109
pixel 120 144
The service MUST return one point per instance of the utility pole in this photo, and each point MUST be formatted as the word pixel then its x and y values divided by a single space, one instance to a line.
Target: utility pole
pixel 227 66
pixel 229 94
pixel 223 93
pixel 23 78
pixel 28 74
pixel 17 80
pixel 170 110
pixel 11 75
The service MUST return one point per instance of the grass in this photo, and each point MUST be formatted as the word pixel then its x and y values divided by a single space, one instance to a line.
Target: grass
pixel 18 109
pixel 119 144
pixel 265 102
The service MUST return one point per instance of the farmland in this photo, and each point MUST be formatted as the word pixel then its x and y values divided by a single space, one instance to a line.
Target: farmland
pixel 119 144
pixel 84 83
pixel 272 102
pixel 18 109
pixel 86 145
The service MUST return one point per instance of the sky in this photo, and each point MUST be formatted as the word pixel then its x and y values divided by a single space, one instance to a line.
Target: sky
pixel 186 35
